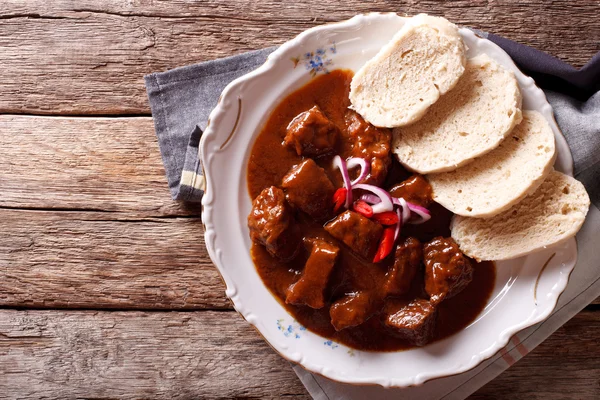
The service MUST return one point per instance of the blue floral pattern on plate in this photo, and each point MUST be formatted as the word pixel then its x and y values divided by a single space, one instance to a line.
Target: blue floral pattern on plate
pixel 292 330
pixel 318 60
pixel 295 330
pixel 331 344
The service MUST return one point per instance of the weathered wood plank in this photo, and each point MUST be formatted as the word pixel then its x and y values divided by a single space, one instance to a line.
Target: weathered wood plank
pixel 89 56
pixel 58 259
pixel 101 355
pixel 108 164
pixel 67 354
pixel 565 366
pixel 91 260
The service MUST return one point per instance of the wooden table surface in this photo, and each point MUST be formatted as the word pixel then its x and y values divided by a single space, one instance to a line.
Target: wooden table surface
pixel 106 289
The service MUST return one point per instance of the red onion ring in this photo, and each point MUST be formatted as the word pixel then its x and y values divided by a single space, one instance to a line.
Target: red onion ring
pixel 405 210
pixel 365 168
pixel 421 212
pixel 341 165
pixel 386 200
pixel 370 198
pixel 398 225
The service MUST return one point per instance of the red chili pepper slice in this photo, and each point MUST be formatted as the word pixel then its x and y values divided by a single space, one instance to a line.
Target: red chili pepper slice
pixel 386 218
pixel 362 207
pixel 339 198
pixel 385 245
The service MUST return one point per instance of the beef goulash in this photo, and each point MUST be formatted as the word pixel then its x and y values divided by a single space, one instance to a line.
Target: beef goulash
pixel 345 238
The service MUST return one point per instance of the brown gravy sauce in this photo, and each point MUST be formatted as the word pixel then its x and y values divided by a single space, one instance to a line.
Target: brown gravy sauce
pixel 270 161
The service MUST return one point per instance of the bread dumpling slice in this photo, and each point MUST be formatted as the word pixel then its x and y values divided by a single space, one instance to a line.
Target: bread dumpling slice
pixel 552 214
pixel 423 60
pixel 467 122
pixel 501 178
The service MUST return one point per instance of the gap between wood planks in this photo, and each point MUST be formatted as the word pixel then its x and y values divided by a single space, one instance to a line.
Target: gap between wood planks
pixel 122 309
pixel 592 307
pixel 70 116
pixel 121 215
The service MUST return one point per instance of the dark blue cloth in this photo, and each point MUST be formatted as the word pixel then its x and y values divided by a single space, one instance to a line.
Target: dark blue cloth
pixel 551 73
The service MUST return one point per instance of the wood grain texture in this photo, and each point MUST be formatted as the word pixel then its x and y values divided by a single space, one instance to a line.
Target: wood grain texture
pixel 87 220
pixel 102 164
pixel 68 354
pixel 565 366
pixel 60 259
pixel 101 230
pixel 94 260
pixel 133 355
pixel 88 56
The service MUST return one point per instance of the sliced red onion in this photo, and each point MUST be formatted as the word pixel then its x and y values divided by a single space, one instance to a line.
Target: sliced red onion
pixel 407 207
pixel 364 165
pixel 420 211
pixel 398 225
pixel 386 200
pixel 370 198
pixel 341 165
pixel 405 210
pixel 396 201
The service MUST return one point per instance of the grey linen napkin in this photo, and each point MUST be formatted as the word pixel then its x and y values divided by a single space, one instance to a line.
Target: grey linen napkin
pixel 181 100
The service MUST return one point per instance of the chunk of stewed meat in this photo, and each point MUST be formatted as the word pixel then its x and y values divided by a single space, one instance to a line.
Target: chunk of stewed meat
pixel 308 188
pixel 415 190
pixel 407 261
pixel 357 232
pixel 310 288
pixel 447 270
pixel 271 223
pixel 354 309
pixel 311 133
pixel 414 321
pixel 370 143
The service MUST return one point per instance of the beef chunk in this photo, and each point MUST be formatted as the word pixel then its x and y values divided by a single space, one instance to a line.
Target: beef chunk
pixel 357 232
pixel 311 133
pixel 271 223
pixel 310 288
pixel 308 188
pixel 414 321
pixel 370 143
pixel 406 264
pixel 447 269
pixel 354 309
pixel 415 190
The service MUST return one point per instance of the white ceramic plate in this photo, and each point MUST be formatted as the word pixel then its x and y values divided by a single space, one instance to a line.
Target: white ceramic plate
pixel 525 292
